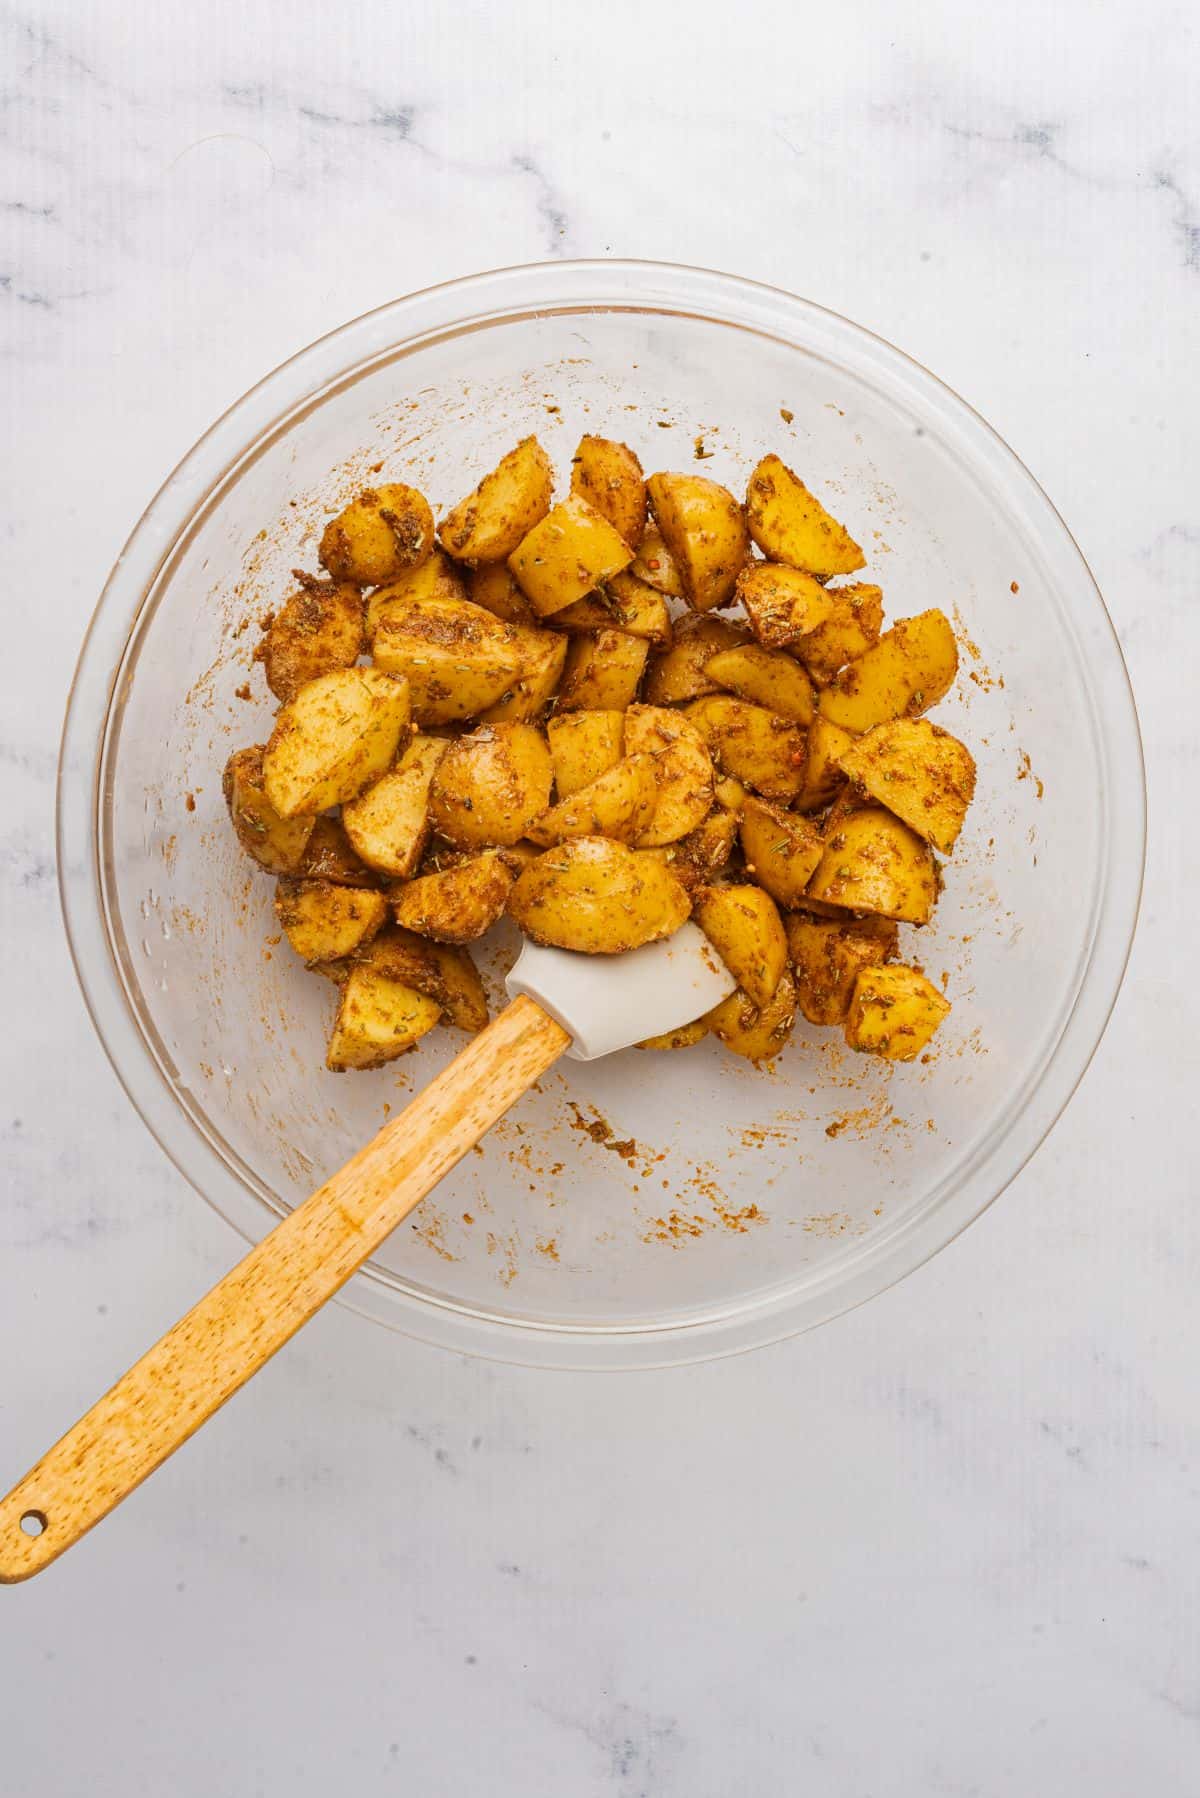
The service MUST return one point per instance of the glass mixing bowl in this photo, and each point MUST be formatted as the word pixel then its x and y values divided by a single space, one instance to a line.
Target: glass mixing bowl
pixel 651 1207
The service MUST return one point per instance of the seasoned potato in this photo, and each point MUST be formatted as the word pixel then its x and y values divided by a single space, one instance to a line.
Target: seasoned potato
pixel 378 1018
pixel 602 673
pixel 827 956
pixel 456 657
pixel 620 804
pixel 752 744
pixel 893 1012
pixel 389 824
pixel 851 628
pixel 544 656
pixel 746 931
pixel 920 772
pixel 682 1038
pixel 654 564
pixel 435 578
pixel 379 534
pixel 758 1033
pixel 583 746
pixel 730 793
pixel 330 855
pixel 323 922
pixel 572 550
pixel 442 972
pixel 766 678
pixel 493 585
pixel 782 603
pixel 276 844
pixel 597 897
pixel 704 531
pixel 703 852
pixel 455 904
pixel 681 672
pixel 781 850
pixel 683 771
pixel 790 525
pixel 910 668
pixel 874 863
pixel 624 604
pixel 609 476
pixel 490 786
pixel 823 777
pixel 318 629
pixel 489 523
pixel 333 739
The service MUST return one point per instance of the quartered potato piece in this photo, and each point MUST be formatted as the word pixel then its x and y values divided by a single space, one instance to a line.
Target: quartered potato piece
pixel 324 922
pixel 851 628
pixel 893 1012
pixel 823 777
pixel 920 772
pixel 602 673
pixel 683 771
pixel 490 786
pixel 654 565
pixel 703 852
pixel 609 476
pixel 445 974
pixel 379 534
pixel 765 677
pixel 910 668
pixel 388 825
pixel 597 897
pixel 619 804
pixel 681 672
pixel 488 525
pixel 336 736
pixel 782 603
pixel 572 550
pixel 874 863
pixel 543 657
pixel 682 1038
pixel 790 525
pixel 319 629
pixel 330 855
pixel 583 746
pixel 827 956
pixel 756 1032
pixel 746 931
pixel 493 585
pixel 378 1019
pixel 703 528
pixel 456 903
pixel 625 604
pixel 456 657
pixel 752 744
pixel 435 578
pixel 276 844
pixel 781 850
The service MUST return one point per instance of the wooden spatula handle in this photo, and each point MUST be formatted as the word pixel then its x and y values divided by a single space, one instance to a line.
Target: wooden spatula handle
pixel 263 1301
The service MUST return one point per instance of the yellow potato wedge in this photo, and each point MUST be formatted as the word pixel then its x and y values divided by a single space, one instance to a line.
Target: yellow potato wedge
pixel 790 525
pixel 874 863
pixel 752 744
pixel 583 746
pixel 323 922
pixel 572 550
pixel 331 856
pixel 388 825
pixel 680 672
pixel 336 736
pixel 703 852
pixel 456 657
pixel 609 476
pixel 377 1019
pixel 782 603
pixel 493 585
pixel 317 630
pixel 729 793
pixel 766 678
pixel 683 771
pixel 383 531
pixel 705 533
pixel 490 786
pixel 597 897
pixel 654 565
pixel 624 604
pixel 435 578
pixel 823 777
pixel 893 1012
pixel 458 903
pixel 744 927
pixel 910 668
pixel 852 627
pixel 757 1033
pixel 682 1038
pixel 781 850
pixel 619 804
pixel 444 973
pixel 276 844
pixel 827 957
pixel 488 525
pixel 602 673
pixel 920 772
pixel 544 656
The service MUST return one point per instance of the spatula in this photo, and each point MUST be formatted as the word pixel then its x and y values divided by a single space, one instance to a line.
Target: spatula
pixel 562 1003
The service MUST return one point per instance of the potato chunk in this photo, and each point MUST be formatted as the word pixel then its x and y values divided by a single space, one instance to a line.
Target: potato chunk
pixel 827 957
pixel 602 673
pixel 455 904
pixel 683 771
pixel 490 786
pixel 823 777
pixel 333 739
pixel 752 744
pixel 681 1038
pixel 435 578
pixel 704 851
pixel 378 1019
pixel 276 844
pixel 583 746
pixel 624 604
pixel 378 535
pixel 654 564
pixel 766 678
pixel 489 523
pixel 782 603
pixel 597 897
pixel 781 850
pixel 609 476
pixel 790 525
pixel 330 855
pixel 444 973
pixel 543 658
pixel 389 824
pixel 572 550
pixel 456 657
pixel 681 672
pixel 493 585
pixel 620 804
pixel 874 863
pixel 910 668
pixel 318 629
pixel 893 1012
pixel 704 531
pixel 920 772
pixel 323 922
pixel 746 931
pixel 851 628
pixel 756 1032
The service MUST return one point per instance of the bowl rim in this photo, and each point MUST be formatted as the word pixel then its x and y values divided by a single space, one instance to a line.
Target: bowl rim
pixel 473 302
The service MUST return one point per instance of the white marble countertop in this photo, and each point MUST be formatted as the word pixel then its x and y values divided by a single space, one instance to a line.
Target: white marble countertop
pixel 947 1545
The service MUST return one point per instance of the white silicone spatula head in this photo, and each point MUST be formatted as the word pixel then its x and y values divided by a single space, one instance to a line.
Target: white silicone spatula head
pixel 610 1002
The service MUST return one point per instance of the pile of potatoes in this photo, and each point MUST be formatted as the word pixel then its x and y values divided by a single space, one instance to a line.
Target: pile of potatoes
pixel 646 703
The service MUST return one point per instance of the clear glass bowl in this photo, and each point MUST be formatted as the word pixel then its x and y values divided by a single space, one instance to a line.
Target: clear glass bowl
pixel 727 1207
